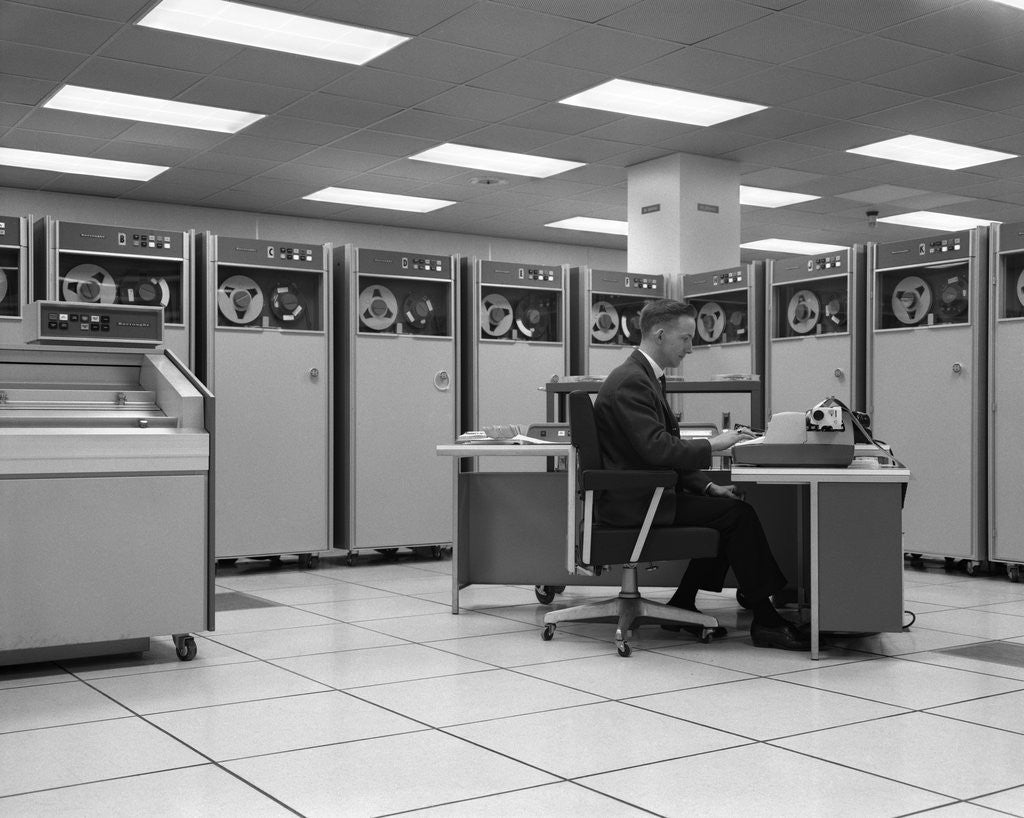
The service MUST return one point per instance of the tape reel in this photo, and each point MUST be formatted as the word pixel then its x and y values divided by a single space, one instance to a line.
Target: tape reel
pixel 604 321
pixel 90 284
pixel 150 291
pixel 911 300
pixel 710 322
pixel 629 323
pixel 286 303
pixel 835 312
pixel 533 317
pixel 417 311
pixel 736 325
pixel 953 298
pixel 3 286
pixel 1020 289
pixel 803 311
pixel 495 315
pixel 378 308
pixel 240 299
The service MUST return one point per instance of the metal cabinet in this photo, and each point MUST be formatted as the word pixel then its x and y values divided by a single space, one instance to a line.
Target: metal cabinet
pixel 15 272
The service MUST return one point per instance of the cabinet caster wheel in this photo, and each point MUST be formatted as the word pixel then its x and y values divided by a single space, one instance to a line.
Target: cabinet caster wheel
pixel 545 593
pixel 437 552
pixel 970 568
pixel 308 561
pixel 1013 573
pixel 624 649
pixel 706 636
pixel 916 561
pixel 185 647
pixel 547 633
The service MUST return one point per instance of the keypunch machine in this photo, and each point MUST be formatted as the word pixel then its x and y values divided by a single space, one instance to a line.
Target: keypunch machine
pixel 105 487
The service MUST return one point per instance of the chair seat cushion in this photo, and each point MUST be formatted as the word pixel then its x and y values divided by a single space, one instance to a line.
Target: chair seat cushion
pixel 613 546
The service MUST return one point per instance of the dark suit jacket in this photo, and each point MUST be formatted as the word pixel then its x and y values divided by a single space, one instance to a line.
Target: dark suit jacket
pixel 638 430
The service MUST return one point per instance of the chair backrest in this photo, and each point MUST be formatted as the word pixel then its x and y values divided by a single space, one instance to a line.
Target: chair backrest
pixel 583 431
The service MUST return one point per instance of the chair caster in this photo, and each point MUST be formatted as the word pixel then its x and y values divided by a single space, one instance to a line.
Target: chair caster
pixel 706 636
pixel 624 649
pixel 547 633
pixel 546 593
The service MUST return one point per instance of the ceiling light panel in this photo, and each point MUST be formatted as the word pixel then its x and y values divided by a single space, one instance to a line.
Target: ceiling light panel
pixel 796 248
pixel 371 198
pixel 520 164
pixel 82 165
pixel 933 153
pixel 766 197
pixel 149 109
pixel 935 221
pixel 592 225
pixel 274 30
pixel 659 102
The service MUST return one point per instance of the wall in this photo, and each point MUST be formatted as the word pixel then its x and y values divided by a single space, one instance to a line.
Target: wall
pixel 242 224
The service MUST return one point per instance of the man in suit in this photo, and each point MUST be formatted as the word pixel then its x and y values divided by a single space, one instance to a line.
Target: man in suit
pixel 638 430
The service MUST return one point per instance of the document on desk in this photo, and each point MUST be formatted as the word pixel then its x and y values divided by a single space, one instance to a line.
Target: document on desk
pixel 515 440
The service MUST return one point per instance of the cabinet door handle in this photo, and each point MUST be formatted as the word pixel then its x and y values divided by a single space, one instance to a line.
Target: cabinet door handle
pixel 958 367
pixel 442 381
pixel 314 373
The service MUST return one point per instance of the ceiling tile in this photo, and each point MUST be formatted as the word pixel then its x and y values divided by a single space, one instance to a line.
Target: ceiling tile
pixel 204 181
pixel 776 86
pixel 41 63
pixel 639 131
pixel 582 149
pixel 418 171
pixel 169 50
pixel 868 15
pixel 779 178
pixel 880 193
pixel 780 38
pixel 388 144
pixel 999 95
pixel 931 201
pixel 941 75
pixel 122 10
pixel 241 165
pixel 175 137
pixel 530 78
pixel 980 130
pixel 272 190
pixel 1005 52
pixel 306 131
pixel 587 11
pixel 259 148
pixel 776 123
pixel 56 142
pixel 708 142
pixel 320 176
pixel 402 16
pixel 702 18
pixel 918 116
pixel 841 136
pixel 235 200
pixel 479 103
pixel 147 154
pixel 863 58
pixel 349 163
pixel 91 185
pixel 68 122
pixel 504 137
pixel 850 100
pixel 696 69
pixel 775 152
pixel 497 27
pixel 25 90
pixel 31 25
pixel 450 63
pixel 25 177
pixel 258 98
pixel 389 87
pixel 388 184
pixel 601 49
pixel 635 156
pixel 133 78
pixel 563 119
pixel 11 113
pixel 355 113
pixel 428 125
pixel 288 70
pixel 961 26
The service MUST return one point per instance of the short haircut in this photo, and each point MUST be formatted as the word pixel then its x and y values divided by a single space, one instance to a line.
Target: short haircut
pixel 663 311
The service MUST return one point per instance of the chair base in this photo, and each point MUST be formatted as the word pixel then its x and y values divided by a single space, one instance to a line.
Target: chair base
pixel 626 609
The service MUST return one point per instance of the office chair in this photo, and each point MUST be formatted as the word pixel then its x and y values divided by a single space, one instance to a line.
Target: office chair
pixel 600 545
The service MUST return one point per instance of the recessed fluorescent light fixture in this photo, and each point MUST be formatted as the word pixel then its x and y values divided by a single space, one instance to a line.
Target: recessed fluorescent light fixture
pixel 1017 4
pixel 935 221
pixel 83 165
pixel 149 109
pixel 933 153
pixel 521 164
pixel 592 225
pixel 371 198
pixel 766 197
pixel 796 248
pixel 276 30
pixel 658 102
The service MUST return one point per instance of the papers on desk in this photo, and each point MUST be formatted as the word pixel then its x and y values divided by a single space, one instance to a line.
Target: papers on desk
pixel 514 440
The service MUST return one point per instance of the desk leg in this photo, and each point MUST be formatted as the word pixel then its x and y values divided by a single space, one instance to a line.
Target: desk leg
pixel 815 619
pixel 456 468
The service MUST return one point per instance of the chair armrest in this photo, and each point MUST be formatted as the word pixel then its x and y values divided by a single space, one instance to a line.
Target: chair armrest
pixel 623 479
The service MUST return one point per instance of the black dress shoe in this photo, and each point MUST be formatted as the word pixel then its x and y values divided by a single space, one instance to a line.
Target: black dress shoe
pixel 717 632
pixel 784 637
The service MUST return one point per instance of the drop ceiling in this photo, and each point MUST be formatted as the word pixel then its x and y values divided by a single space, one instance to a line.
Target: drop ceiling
pixel 835 74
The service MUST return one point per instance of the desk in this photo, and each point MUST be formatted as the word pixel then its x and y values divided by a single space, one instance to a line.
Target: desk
pixel 557 393
pixel 855 547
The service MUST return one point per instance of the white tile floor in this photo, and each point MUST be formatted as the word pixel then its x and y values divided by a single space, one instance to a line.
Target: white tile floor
pixel 353 691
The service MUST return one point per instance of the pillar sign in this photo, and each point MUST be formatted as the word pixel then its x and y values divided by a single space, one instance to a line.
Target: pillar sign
pixel 650 209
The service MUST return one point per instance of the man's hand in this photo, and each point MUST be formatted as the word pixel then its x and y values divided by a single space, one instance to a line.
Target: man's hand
pixel 729 437
pixel 731 492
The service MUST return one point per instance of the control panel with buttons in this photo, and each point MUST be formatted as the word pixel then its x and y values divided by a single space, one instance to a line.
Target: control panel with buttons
pixel 58 322
pixel 390 262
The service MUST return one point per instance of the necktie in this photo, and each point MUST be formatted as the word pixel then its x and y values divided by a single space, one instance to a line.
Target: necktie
pixel 664 388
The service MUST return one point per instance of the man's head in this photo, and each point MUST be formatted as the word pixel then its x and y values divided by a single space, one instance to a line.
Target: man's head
pixel 666 330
